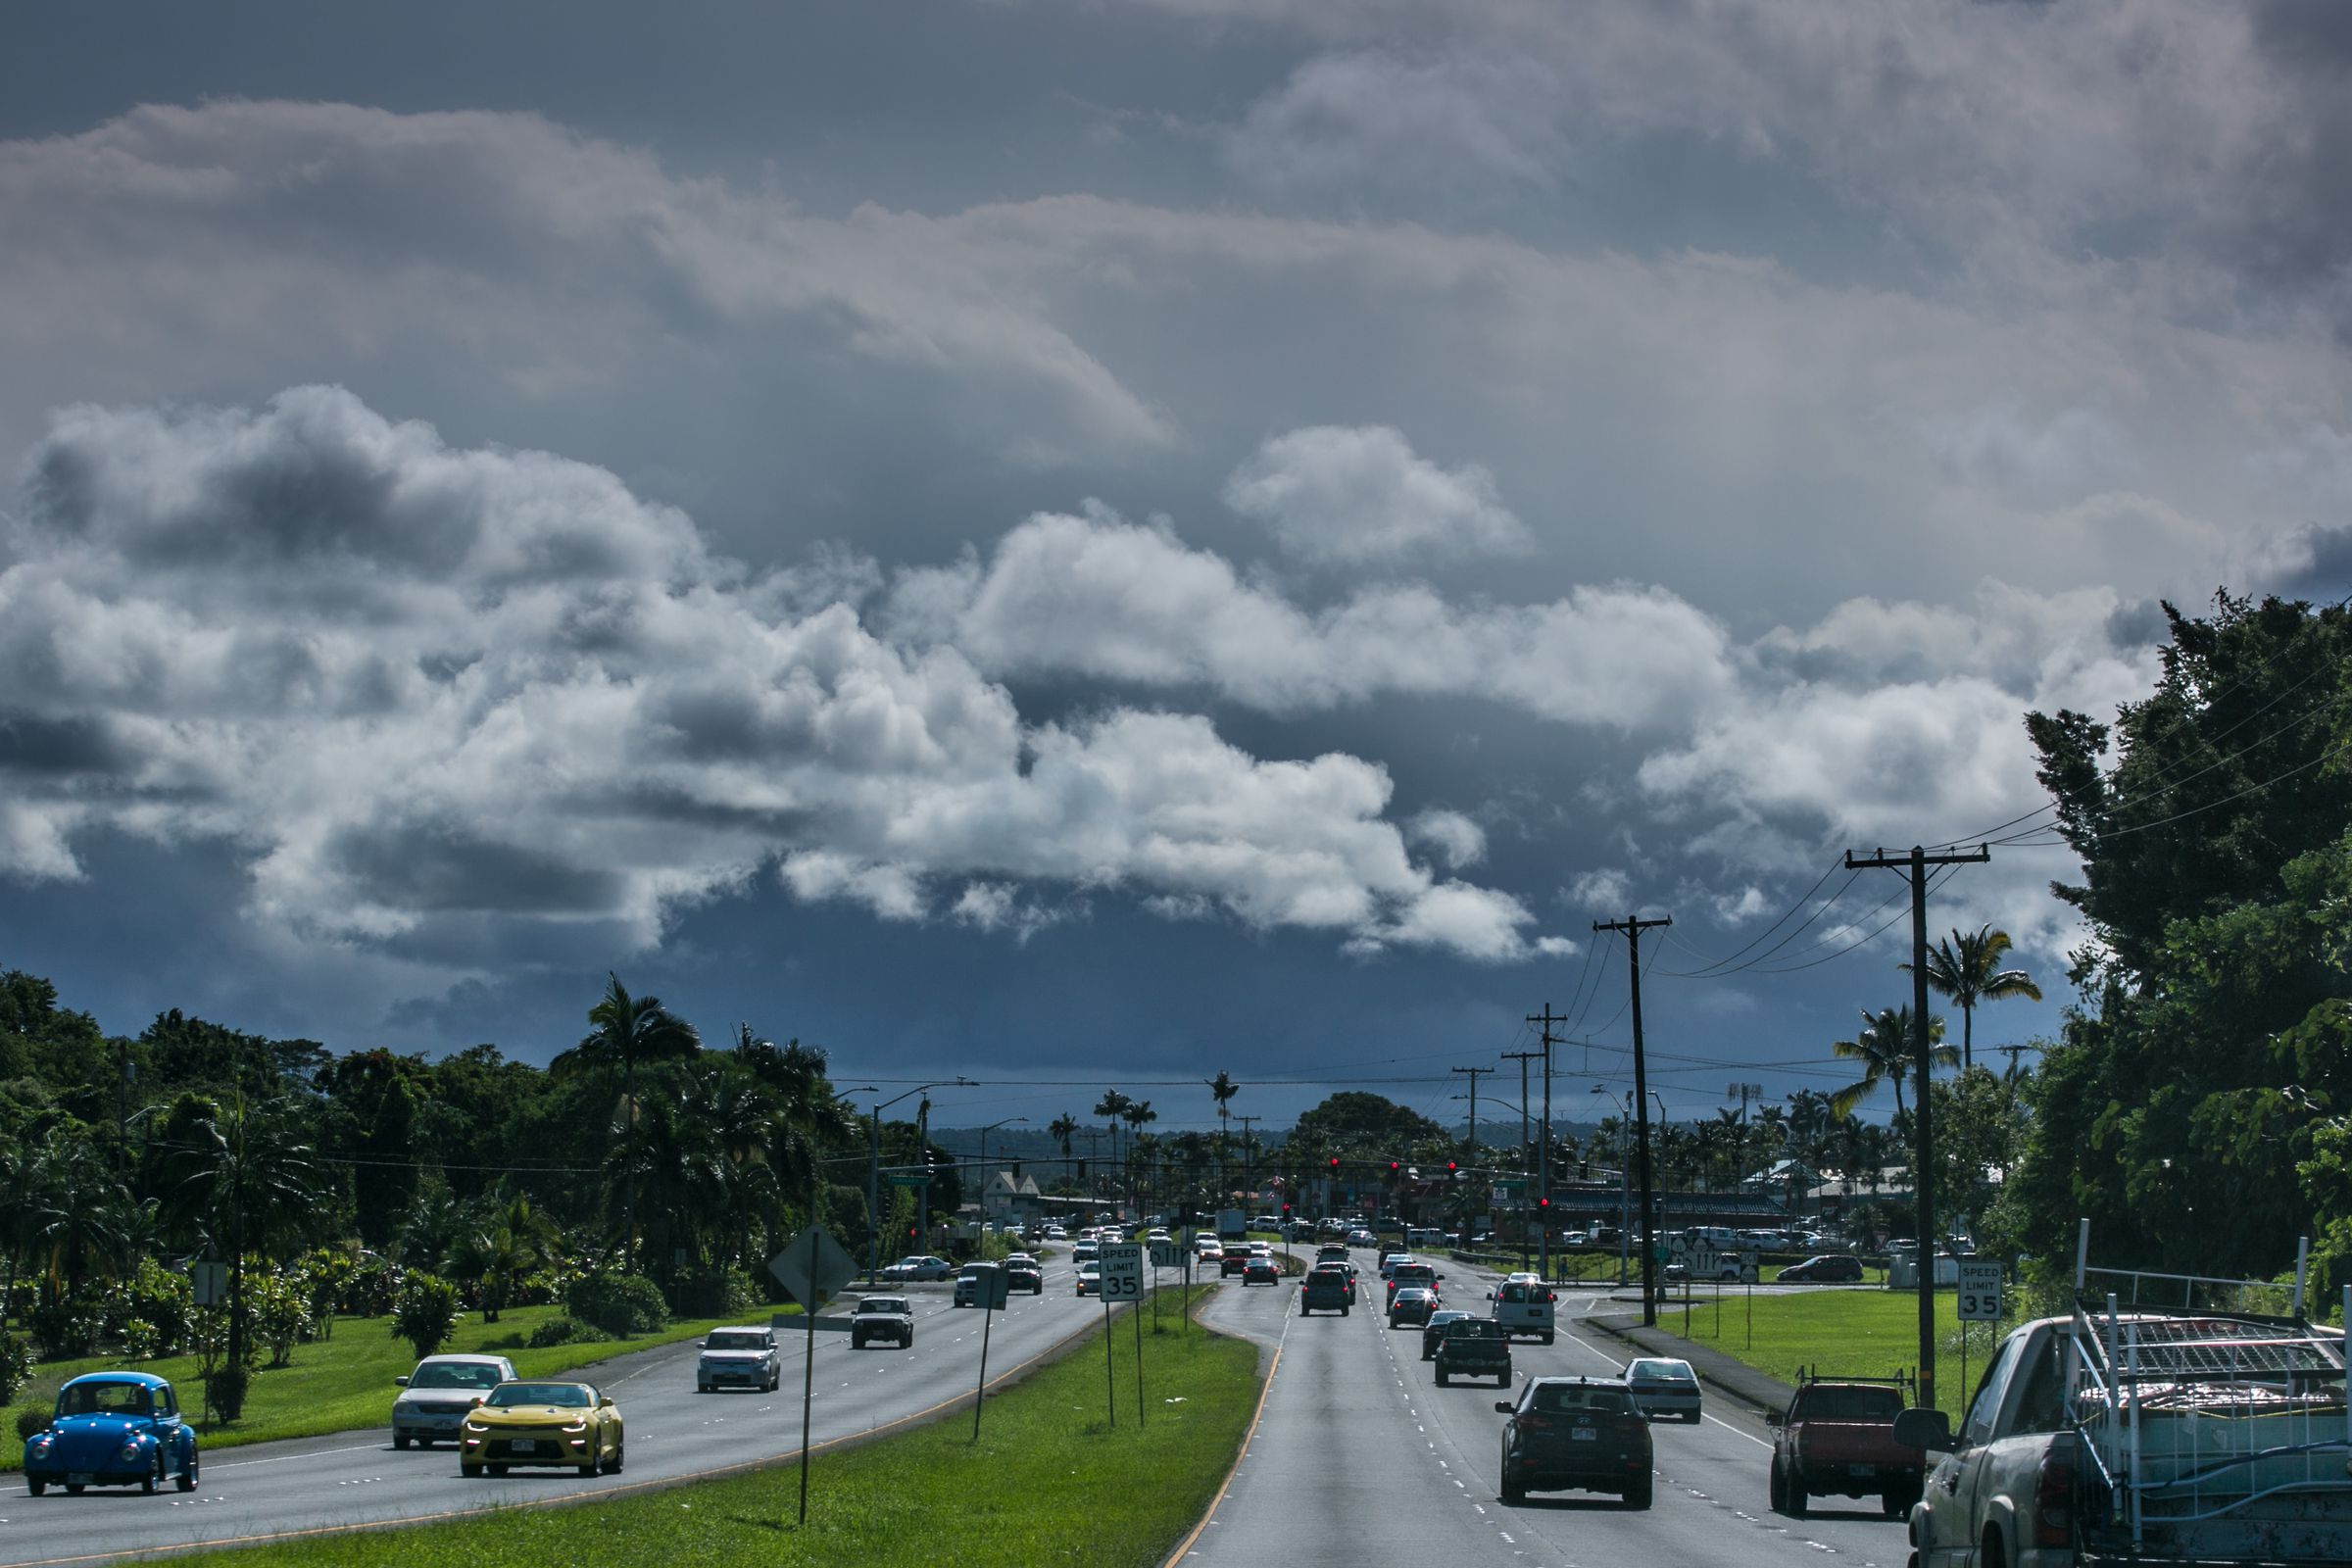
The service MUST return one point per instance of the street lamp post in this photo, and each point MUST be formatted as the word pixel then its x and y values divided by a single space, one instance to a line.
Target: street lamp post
pixel 874 1172
pixel 984 1132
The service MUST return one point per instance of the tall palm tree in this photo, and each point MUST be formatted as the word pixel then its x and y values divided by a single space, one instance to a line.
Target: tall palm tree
pixel 1966 967
pixel 1063 1129
pixel 1883 1046
pixel 242 1176
pixel 1112 1107
pixel 628 1031
pixel 1138 1115
pixel 1222 1089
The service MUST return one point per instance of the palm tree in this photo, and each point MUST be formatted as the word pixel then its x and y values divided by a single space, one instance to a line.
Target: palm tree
pixel 629 1030
pixel 496 1248
pixel 1966 967
pixel 244 1178
pixel 1112 1107
pixel 1063 1128
pixel 1883 1047
pixel 1137 1114
pixel 1222 1089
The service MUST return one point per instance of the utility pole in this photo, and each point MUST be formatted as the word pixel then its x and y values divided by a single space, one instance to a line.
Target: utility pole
pixel 1474 1073
pixel 1631 928
pixel 1249 1158
pixel 1546 1019
pixel 1523 1057
pixel 1915 863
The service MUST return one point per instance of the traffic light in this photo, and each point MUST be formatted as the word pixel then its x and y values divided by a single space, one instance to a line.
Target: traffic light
pixel 1335 1162
pixel 1544 1206
pixel 1449 1168
pixel 913 1233
pixel 1286 1211
pixel 1394 1167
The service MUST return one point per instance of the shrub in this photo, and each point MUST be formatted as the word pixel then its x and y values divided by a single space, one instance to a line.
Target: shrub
pixel 225 1389
pixel 161 1299
pixel 30 1419
pixel 620 1304
pixel 424 1313
pixel 141 1340
pixel 714 1293
pixel 68 1328
pixel 559 1331
pixel 282 1313
pixel 16 1365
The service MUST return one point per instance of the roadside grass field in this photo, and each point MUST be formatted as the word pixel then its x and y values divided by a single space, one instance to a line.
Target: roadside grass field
pixel 1858 1331
pixel 337 1384
pixel 1051 1480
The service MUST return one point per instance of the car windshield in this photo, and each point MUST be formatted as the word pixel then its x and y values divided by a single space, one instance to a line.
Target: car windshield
pixel 736 1342
pixel 1474 1328
pixel 104 1398
pixel 564 1395
pixel 456 1375
pixel 1660 1371
pixel 1552 1397
pixel 883 1303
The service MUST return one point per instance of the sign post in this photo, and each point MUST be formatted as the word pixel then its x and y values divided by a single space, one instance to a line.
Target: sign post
pixel 1979 1301
pixel 812 1267
pixel 1123 1281
pixel 990 1287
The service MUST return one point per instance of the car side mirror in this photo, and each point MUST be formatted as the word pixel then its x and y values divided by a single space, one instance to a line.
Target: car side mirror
pixel 401 1382
pixel 1774 1418
pixel 1931 1430
pixel 701 1344
pixel 1504 1406
pixel 605 1403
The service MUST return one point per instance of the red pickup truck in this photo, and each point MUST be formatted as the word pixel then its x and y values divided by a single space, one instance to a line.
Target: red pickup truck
pixel 1838 1439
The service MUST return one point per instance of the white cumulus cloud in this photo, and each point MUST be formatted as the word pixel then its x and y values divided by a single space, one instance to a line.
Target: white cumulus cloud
pixel 1341 496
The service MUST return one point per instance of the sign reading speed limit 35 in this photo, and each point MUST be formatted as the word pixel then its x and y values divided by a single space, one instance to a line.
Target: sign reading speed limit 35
pixel 1123 1272
pixel 1979 1292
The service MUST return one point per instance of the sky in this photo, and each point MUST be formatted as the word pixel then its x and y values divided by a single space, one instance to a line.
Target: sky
pixel 1084 545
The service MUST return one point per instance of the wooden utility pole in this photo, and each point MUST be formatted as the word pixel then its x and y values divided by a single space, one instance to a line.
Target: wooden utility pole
pixel 1523 1057
pixel 1632 927
pixel 1916 864
pixel 1546 1019
pixel 1473 1073
pixel 1250 1157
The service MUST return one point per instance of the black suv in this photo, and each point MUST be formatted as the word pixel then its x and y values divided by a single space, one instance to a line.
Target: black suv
pixel 1580 1433
pixel 1474 1347
pixel 1831 1268
pixel 1326 1288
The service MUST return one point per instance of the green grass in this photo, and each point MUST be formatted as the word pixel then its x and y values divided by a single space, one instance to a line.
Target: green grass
pixel 1052 1480
pixel 1861 1332
pixel 336 1384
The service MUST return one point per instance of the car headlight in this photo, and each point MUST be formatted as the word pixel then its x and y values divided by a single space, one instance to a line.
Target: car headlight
pixel 475 1426
pixel 131 1450
pixel 39 1444
pixel 577 1426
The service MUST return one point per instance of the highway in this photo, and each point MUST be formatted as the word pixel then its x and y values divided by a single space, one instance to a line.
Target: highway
pixel 1358 1456
pixel 351 1479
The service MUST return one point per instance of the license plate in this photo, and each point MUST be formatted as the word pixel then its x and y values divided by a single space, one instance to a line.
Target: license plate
pixel 79 1478
pixel 1584 1435
pixel 526 1446
pixel 1862 1469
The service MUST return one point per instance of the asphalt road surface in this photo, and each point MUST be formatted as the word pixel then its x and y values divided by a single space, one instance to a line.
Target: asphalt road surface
pixel 350 1479
pixel 1360 1457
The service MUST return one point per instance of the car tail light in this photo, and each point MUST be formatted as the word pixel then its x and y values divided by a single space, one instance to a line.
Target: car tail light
pixel 2054 1501
pixel 1529 1421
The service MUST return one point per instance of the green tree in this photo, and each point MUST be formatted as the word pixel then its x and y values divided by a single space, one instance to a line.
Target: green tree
pixel 1884 1047
pixel 1966 967
pixel 241 1174
pixel 628 1032
pixel 424 1313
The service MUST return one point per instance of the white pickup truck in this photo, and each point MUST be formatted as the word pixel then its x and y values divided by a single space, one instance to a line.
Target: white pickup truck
pixel 2150 1437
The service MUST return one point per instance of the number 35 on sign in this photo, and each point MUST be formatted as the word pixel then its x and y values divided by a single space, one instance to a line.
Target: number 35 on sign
pixel 1980 1292
pixel 1123 1272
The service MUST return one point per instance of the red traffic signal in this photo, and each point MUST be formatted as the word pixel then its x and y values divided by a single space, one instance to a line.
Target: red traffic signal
pixel 1394 1167
pixel 1449 1168
pixel 1543 1202
pixel 1286 1209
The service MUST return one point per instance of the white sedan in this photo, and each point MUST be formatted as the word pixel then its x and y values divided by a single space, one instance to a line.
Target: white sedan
pixel 919 1268
pixel 1662 1387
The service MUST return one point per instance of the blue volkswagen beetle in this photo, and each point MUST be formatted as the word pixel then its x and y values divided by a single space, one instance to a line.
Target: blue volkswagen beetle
pixel 112 1429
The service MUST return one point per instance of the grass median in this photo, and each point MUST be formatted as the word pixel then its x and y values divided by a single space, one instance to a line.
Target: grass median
pixel 1871 1333
pixel 1054 1476
pixel 343 1382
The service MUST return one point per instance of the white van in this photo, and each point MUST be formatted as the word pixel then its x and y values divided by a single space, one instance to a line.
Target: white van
pixel 1417 1239
pixel 1524 1306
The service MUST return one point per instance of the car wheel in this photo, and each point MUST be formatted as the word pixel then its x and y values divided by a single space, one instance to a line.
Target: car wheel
pixel 620 1451
pixel 470 1471
pixel 74 1489
pixel 399 1444
pixel 188 1476
pixel 1691 1418
pixel 1892 1505
pixel 592 1465
pixel 1638 1494
pixel 152 1482
pixel 702 1387
pixel 1513 1491
pixel 1343 1311
pixel 1445 1378
pixel 1776 1489
pixel 1792 1491
pixel 498 1469
pixel 37 1487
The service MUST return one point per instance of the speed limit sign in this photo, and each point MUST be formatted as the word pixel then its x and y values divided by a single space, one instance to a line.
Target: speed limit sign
pixel 1123 1272
pixel 1979 1292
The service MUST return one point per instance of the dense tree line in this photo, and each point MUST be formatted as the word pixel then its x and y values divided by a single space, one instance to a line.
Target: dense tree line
pixel 640 1154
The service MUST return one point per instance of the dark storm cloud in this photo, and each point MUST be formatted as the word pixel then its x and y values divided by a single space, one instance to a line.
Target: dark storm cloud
pixel 31 744
pixel 432 867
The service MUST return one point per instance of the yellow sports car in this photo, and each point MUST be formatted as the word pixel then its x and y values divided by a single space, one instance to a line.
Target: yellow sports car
pixel 566 1424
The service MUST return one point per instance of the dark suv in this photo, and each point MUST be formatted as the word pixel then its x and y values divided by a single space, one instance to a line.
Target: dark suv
pixel 1580 1433
pixel 1474 1347
pixel 1326 1288
pixel 1831 1268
